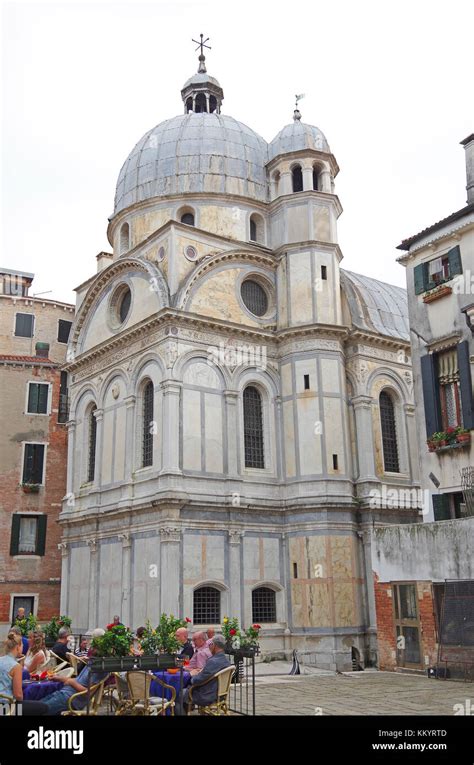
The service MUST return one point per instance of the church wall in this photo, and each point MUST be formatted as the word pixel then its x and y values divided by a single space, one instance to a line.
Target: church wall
pixel 145 589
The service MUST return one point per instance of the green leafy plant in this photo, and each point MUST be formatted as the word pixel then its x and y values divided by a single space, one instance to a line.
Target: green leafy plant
pixel 30 488
pixel 150 640
pixel 116 641
pixel 51 629
pixel 26 625
pixel 251 635
pixel 231 631
pixel 166 630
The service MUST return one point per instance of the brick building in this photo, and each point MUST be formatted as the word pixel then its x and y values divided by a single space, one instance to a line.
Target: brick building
pixel 33 446
pixel 424 573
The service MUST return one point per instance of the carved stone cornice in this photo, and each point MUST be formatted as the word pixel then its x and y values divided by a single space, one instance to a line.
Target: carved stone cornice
pixel 170 534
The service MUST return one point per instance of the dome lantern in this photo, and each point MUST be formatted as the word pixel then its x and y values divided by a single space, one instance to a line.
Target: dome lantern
pixel 202 93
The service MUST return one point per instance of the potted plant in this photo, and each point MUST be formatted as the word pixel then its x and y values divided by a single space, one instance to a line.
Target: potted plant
pixel 451 435
pixel 439 439
pixel 30 488
pixel 431 444
pixel 116 641
pixel 51 629
pixel 249 641
pixel 231 632
pixel 463 436
pixel 26 625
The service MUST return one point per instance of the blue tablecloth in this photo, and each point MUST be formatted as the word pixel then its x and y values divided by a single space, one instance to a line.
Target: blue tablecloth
pixel 25 675
pixel 35 691
pixel 174 680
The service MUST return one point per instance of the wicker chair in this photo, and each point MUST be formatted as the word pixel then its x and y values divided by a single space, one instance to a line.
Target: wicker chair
pixel 95 699
pixel 77 662
pixel 63 671
pixel 11 705
pixel 139 701
pixel 221 705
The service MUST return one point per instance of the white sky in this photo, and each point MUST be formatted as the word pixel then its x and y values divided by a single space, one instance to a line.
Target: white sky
pixel 390 85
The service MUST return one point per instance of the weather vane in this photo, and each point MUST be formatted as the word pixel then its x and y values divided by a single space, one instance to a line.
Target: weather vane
pixel 202 44
pixel 298 98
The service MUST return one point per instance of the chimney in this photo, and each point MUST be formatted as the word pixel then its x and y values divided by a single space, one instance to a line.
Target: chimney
pixel 42 350
pixel 468 144
pixel 104 259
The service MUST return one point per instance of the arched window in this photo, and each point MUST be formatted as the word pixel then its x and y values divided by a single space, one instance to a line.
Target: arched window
pixel 124 238
pixel 206 606
pixel 276 183
pixel 316 178
pixel 212 104
pixel 253 428
pixel 147 425
pixel 256 228
pixel 297 178
pixel 263 605
pixel 389 433
pixel 188 218
pixel 92 444
pixel 200 104
pixel 189 104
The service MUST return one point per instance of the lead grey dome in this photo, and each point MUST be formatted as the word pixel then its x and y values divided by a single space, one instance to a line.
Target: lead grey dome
pixel 194 153
pixel 296 136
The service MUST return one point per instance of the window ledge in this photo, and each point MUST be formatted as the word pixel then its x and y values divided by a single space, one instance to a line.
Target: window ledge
pixel 449 447
pixel 27 556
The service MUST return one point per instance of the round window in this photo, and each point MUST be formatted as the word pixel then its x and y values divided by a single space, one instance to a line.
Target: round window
pixel 124 304
pixel 190 253
pixel 254 296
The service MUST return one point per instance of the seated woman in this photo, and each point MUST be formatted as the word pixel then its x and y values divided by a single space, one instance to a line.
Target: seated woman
pixel 36 655
pixel 58 701
pixel 11 678
pixel 136 649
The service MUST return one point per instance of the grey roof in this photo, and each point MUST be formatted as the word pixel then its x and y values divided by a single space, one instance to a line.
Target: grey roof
pixel 194 153
pixel 376 306
pixel 296 136
pixel 201 78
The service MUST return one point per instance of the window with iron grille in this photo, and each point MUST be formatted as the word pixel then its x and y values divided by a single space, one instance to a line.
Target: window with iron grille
pixel 207 606
pixel 92 444
pixel 253 428
pixel 263 605
pixel 147 435
pixel 254 297
pixel 389 433
pixel 448 386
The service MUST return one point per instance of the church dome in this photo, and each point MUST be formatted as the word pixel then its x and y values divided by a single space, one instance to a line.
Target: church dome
pixel 194 153
pixel 297 136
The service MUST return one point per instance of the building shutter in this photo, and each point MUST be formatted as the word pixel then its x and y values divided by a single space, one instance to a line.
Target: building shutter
pixel 465 383
pixel 43 398
pixel 455 263
pixel 430 394
pixel 15 537
pixel 441 507
pixel 419 275
pixel 33 398
pixel 41 538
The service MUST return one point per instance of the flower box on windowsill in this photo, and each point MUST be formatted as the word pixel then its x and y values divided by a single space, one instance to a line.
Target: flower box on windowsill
pixel 30 488
pixel 454 445
pixel 437 293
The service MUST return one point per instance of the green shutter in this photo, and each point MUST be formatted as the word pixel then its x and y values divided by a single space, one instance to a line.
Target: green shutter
pixel 465 384
pixel 41 534
pixel 455 264
pixel 15 537
pixel 43 398
pixel 33 398
pixel 419 275
pixel 441 507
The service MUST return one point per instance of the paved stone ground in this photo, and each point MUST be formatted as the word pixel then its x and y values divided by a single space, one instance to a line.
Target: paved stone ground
pixel 358 693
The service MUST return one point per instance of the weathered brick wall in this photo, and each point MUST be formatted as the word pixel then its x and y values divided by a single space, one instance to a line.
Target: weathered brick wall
pixel 386 641
pixel 30 574
pixel 47 313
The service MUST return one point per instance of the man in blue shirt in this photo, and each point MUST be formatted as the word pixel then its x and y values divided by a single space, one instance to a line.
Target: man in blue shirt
pixel 57 702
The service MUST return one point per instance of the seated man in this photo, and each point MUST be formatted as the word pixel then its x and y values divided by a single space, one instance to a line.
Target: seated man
pixel 61 648
pixel 210 635
pixel 208 693
pixel 57 702
pixel 201 654
pixel 187 649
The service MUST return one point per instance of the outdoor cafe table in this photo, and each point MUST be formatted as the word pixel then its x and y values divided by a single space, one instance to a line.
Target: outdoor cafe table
pixel 173 679
pixel 36 690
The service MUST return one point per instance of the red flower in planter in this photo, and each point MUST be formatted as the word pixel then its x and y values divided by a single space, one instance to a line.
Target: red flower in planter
pixel 256 626
pixel 188 620
pixel 109 626
pixel 232 632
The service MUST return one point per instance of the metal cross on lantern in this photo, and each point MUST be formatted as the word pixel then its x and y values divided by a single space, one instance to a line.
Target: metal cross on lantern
pixel 202 44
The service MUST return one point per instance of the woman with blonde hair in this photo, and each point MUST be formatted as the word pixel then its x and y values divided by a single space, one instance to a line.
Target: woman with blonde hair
pixel 37 654
pixel 10 678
